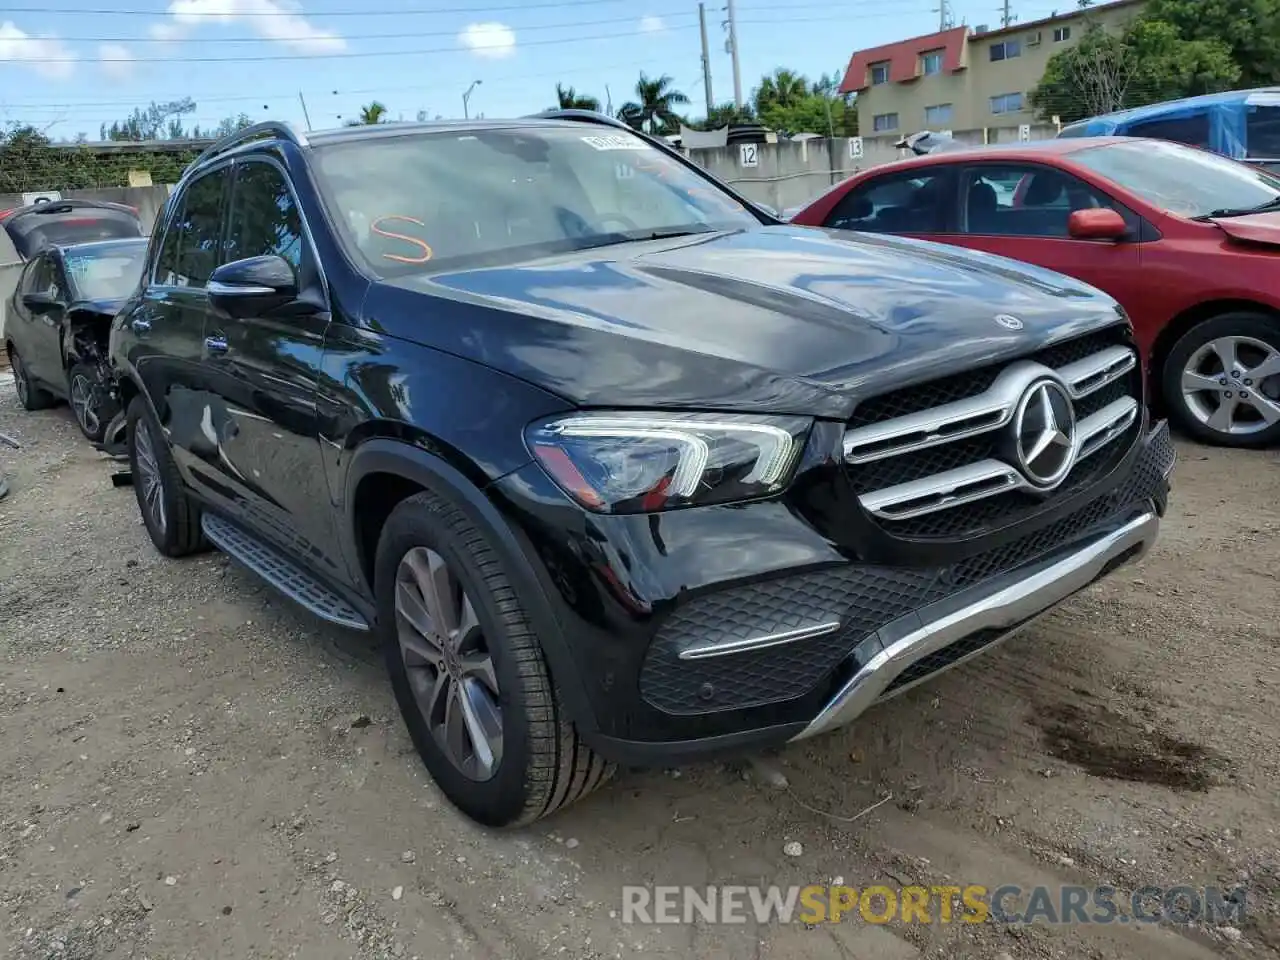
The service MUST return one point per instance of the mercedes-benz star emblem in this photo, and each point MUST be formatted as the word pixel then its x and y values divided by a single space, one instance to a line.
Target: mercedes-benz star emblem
pixel 1008 321
pixel 1044 438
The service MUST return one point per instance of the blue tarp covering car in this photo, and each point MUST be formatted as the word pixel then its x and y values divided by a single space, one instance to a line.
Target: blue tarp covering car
pixel 1243 124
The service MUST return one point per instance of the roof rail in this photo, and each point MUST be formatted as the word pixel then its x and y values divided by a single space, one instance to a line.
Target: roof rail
pixel 581 116
pixel 276 129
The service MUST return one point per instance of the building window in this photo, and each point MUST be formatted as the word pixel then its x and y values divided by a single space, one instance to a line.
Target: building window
pixel 937 116
pixel 880 73
pixel 1061 33
pixel 1006 103
pixel 931 62
pixel 884 121
pixel 1006 50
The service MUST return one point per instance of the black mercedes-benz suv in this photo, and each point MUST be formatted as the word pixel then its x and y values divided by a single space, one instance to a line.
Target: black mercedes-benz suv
pixel 620 468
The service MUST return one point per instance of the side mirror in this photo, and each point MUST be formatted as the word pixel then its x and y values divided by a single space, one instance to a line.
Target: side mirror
pixel 250 287
pixel 1100 223
pixel 39 303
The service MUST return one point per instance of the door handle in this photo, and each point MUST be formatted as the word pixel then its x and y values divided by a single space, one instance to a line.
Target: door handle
pixel 215 344
pixel 140 326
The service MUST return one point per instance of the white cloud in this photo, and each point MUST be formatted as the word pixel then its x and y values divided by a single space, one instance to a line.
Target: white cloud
pixel 116 60
pixel 494 40
pixel 47 56
pixel 652 24
pixel 278 20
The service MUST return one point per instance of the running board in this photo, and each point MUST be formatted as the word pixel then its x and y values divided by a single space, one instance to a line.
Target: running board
pixel 283 574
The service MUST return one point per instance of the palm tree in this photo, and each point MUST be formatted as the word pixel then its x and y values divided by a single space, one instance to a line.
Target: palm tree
pixel 653 109
pixel 373 113
pixel 570 99
pixel 783 88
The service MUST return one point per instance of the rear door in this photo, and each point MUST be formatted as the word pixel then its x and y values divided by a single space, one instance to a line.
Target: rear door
pixel 164 329
pixel 1021 210
pixel 263 370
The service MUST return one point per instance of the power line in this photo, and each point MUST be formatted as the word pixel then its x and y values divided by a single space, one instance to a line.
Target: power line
pixel 365 54
pixel 401 12
pixel 356 36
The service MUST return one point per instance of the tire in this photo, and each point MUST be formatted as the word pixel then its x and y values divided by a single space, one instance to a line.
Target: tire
pixel 31 396
pixel 91 400
pixel 540 763
pixel 171 517
pixel 1228 411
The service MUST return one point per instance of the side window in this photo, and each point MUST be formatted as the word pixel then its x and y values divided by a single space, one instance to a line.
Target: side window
pixel 1193 129
pixel 1263 132
pixel 264 217
pixel 42 277
pixel 192 246
pixel 167 262
pixel 1026 200
pixel 914 202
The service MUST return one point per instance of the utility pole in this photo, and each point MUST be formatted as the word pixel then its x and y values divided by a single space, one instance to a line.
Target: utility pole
pixel 306 116
pixel 1007 16
pixel 944 15
pixel 608 101
pixel 732 24
pixel 706 57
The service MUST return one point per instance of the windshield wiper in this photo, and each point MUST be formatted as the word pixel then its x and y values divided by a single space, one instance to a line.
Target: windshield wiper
pixel 1272 204
pixel 638 236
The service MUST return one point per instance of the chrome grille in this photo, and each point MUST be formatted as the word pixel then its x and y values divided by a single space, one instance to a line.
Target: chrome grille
pixel 949 469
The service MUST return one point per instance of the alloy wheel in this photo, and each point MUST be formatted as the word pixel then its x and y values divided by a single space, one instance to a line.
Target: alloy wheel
pixel 1232 385
pixel 448 663
pixel 82 396
pixel 149 478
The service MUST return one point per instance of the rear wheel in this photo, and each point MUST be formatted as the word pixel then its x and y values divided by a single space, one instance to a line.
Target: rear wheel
pixel 1221 380
pixel 469 674
pixel 31 396
pixel 91 400
pixel 171 517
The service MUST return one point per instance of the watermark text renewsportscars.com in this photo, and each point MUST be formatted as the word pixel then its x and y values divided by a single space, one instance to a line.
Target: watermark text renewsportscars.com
pixel 971 903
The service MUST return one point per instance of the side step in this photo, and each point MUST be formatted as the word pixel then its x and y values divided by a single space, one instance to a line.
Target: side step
pixel 281 573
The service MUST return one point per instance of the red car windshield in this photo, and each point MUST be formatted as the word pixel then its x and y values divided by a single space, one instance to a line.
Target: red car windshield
pixel 1182 180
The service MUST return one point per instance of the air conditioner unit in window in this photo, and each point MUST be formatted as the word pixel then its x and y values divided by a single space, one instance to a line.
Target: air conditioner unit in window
pixel 1033 39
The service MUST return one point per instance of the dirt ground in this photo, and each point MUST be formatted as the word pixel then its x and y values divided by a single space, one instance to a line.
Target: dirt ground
pixel 191 767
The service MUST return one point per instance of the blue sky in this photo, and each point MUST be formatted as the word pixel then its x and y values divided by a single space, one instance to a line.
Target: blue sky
pixel 71 65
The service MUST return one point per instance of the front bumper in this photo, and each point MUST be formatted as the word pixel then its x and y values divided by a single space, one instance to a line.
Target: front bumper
pixel 943 635
pixel 692 633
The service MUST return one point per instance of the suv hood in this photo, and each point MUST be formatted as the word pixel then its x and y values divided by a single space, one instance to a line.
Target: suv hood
pixel 785 319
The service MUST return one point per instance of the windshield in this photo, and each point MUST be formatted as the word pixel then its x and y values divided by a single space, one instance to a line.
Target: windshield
pixel 1182 180
pixel 481 197
pixel 106 271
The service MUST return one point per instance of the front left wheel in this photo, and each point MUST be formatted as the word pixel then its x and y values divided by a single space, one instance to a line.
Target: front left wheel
pixel 469 673
pixel 91 400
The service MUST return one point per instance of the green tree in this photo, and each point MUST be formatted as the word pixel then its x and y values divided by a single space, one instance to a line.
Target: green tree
pixel 1249 29
pixel 782 88
pixel 570 99
pixel 653 110
pixel 372 113
pixel 1148 62
pixel 153 122
pixel 723 115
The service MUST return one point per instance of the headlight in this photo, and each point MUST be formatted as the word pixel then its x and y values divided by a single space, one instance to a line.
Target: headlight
pixel 637 463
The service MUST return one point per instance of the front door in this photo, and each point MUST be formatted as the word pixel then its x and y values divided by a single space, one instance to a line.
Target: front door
pixel 163 332
pixel 263 369
pixel 37 331
pixel 1021 210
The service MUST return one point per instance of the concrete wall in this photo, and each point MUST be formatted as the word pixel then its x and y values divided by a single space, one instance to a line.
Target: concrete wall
pixel 789 174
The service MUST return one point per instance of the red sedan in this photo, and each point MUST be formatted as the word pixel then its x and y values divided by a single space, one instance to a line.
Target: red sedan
pixel 1187 241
